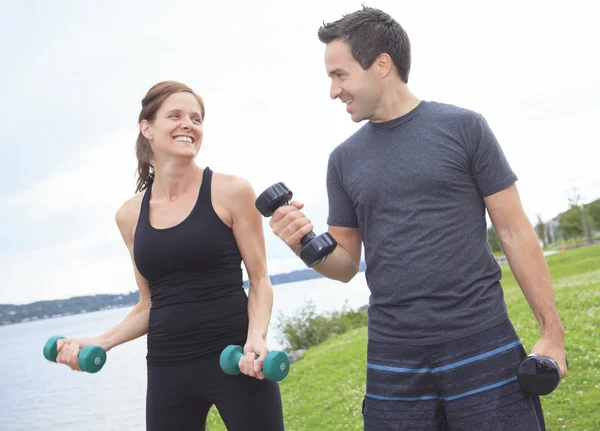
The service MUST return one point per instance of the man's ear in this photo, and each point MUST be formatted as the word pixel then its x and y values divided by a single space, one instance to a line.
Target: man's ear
pixel 384 64
pixel 145 129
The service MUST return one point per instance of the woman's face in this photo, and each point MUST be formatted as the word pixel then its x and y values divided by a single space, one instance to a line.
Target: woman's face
pixel 177 128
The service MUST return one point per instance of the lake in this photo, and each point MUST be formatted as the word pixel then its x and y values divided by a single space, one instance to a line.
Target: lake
pixel 41 395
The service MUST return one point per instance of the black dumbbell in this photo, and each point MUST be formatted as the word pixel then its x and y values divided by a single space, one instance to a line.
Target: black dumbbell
pixel 539 375
pixel 315 249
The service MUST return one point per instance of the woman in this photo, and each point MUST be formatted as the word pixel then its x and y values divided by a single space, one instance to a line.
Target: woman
pixel 187 230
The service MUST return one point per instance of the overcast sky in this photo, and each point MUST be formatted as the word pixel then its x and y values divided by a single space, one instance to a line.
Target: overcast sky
pixel 74 73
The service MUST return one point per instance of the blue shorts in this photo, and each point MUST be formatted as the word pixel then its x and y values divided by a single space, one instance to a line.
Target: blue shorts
pixel 467 384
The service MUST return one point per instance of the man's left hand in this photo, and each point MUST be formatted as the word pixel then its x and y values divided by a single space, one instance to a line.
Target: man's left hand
pixel 549 347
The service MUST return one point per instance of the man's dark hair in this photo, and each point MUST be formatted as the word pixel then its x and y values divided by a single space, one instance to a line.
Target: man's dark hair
pixel 371 32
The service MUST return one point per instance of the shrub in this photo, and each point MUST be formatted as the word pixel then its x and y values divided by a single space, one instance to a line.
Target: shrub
pixel 307 328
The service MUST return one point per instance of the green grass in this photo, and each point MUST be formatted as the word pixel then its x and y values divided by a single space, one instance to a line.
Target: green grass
pixel 324 390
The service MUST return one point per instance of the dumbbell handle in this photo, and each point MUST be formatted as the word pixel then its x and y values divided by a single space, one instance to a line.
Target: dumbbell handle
pixel 551 359
pixel 275 365
pixel 307 238
pixel 91 358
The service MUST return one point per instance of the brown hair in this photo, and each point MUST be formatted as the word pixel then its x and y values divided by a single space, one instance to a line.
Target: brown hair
pixel 150 106
pixel 371 32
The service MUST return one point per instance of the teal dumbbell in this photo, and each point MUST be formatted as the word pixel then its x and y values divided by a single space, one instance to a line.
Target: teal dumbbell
pixel 276 365
pixel 91 358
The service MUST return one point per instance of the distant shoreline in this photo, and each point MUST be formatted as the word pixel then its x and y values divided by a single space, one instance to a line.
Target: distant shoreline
pixel 11 314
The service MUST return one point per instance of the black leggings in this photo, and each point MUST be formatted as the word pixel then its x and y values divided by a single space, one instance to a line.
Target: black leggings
pixel 179 398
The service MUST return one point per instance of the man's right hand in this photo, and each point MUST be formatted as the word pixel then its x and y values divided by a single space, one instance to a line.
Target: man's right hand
pixel 290 224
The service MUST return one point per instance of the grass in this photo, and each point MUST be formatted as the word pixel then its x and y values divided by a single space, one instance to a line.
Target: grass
pixel 324 391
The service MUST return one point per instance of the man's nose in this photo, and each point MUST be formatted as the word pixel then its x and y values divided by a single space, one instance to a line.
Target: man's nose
pixel 335 91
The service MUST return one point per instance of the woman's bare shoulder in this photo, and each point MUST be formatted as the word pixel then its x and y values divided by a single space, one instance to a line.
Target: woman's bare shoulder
pixel 231 186
pixel 128 213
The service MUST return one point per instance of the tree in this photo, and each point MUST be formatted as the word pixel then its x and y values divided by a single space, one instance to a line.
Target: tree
pixel 574 197
pixel 493 241
pixel 593 211
pixel 571 221
pixel 541 230
pixel 570 224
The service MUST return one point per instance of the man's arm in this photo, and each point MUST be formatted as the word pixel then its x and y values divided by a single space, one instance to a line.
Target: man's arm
pixel 290 224
pixel 344 262
pixel 526 260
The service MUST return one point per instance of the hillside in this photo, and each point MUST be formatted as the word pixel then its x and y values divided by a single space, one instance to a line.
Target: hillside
pixel 324 390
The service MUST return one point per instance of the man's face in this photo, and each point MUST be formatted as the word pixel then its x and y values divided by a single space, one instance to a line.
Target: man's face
pixel 357 88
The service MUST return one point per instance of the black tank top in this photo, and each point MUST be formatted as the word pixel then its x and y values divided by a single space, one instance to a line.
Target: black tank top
pixel 199 305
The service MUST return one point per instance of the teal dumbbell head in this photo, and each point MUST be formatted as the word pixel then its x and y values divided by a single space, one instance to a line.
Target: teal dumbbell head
pixel 230 357
pixel 91 358
pixel 276 365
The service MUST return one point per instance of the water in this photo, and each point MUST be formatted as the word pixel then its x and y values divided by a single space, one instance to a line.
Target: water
pixel 37 394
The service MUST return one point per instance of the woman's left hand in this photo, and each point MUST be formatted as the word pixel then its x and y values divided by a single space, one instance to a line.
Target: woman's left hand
pixel 255 351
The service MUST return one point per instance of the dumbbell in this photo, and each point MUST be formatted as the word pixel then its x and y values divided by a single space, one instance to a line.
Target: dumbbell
pixel 91 358
pixel 315 249
pixel 275 366
pixel 539 375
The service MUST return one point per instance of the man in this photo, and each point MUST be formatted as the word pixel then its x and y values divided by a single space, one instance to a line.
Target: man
pixel 412 185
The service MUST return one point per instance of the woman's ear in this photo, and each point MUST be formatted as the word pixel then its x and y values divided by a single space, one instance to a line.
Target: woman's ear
pixel 146 130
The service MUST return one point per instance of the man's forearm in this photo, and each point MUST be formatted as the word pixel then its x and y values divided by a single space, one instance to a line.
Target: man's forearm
pixel 340 266
pixel 530 269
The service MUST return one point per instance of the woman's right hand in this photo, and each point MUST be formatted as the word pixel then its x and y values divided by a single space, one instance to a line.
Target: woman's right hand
pixel 68 351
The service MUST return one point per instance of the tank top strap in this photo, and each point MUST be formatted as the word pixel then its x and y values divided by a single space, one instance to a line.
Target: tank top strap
pixel 145 208
pixel 205 188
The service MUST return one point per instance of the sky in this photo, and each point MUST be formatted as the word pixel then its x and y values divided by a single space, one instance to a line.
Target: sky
pixel 74 75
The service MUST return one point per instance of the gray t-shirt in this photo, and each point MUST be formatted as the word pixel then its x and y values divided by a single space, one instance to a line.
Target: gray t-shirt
pixel 414 186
